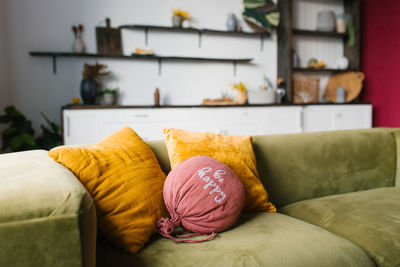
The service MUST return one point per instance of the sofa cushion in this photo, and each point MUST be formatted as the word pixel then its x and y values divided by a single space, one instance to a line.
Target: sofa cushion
pixel 122 174
pixel 234 151
pixel 258 239
pixel 370 219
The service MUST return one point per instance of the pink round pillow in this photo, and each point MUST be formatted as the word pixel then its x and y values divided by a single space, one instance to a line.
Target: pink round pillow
pixel 204 196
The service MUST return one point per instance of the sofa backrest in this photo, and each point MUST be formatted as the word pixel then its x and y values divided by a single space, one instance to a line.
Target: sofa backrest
pixel 296 167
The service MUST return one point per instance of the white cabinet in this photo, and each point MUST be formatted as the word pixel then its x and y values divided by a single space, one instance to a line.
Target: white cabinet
pixel 83 126
pixel 337 117
pixel 250 120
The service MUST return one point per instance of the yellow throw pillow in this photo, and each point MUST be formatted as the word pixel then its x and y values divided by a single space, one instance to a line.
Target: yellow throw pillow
pixel 234 151
pixel 126 182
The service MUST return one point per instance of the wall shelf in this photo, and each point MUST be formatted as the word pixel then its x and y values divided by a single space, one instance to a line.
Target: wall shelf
pixel 159 58
pixel 318 33
pixel 200 32
pixel 320 70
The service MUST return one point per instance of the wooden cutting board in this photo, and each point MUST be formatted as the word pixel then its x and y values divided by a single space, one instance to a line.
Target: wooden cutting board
pixel 350 81
pixel 108 40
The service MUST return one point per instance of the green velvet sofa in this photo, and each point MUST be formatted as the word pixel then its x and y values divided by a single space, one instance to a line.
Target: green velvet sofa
pixel 337 194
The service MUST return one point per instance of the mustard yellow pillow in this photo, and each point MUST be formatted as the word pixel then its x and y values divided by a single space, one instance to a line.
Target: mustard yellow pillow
pixel 234 151
pixel 126 182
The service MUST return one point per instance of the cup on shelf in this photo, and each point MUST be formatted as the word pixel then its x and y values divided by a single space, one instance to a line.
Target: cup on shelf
pixel 340 95
pixel 341 23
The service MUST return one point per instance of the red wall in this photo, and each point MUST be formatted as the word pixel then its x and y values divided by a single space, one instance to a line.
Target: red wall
pixel 381 59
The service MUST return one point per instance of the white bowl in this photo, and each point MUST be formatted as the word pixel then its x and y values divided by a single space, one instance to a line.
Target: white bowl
pixel 261 96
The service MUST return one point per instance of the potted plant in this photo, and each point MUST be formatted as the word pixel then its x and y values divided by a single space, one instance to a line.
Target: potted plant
pixel 91 82
pixel 19 134
pixel 109 96
pixel 178 16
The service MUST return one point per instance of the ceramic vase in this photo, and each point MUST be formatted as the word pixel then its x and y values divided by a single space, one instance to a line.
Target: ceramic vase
pixel 241 98
pixel 88 91
pixel 326 21
pixel 231 23
pixel 79 46
pixel 177 21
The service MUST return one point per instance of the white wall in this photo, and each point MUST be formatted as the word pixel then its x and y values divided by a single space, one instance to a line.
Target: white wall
pixel 40 25
pixel 4 61
pixel 5 86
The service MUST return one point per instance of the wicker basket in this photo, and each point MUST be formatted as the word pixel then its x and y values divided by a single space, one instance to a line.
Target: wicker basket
pixel 306 89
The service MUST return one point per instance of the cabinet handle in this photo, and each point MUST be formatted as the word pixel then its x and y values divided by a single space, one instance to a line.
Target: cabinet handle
pixel 338 115
pixel 68 126
pixel 141 115
pixel 301 120
pixel 222 131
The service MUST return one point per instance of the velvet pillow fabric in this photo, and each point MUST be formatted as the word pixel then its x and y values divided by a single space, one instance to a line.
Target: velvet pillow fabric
pixel 203 195
pixel 234 151
pixel 126 182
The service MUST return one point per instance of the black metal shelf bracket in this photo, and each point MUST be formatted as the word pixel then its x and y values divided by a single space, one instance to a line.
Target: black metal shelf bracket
pixel 159 67
pixel 261 42
pixel 146 36
pixel 234 68
pixel 54 65
pixel 200 36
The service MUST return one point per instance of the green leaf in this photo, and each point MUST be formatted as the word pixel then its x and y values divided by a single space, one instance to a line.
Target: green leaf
pixel 25 127
pixel 28 139
pixel 16 142
pixel 45 118
pixel 5 119
pixel 12 111
pixel 8 131
pixel 54 126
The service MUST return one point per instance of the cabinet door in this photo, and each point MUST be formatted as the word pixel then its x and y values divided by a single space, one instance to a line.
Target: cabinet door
pixel 340 117
pixel 252 120
pixel 80 127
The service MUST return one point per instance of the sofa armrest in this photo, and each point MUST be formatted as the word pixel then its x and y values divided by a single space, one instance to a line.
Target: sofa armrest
pixel 47 218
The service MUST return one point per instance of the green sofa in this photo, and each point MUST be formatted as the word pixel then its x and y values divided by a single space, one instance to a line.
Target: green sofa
pixel 337 193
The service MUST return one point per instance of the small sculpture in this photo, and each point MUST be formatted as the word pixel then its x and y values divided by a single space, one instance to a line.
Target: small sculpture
pixel 280 90
pixel 157 97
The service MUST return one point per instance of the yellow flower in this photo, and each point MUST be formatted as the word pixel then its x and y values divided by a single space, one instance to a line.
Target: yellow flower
pixel 76 100
pixel 239 86
pixel 179 12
